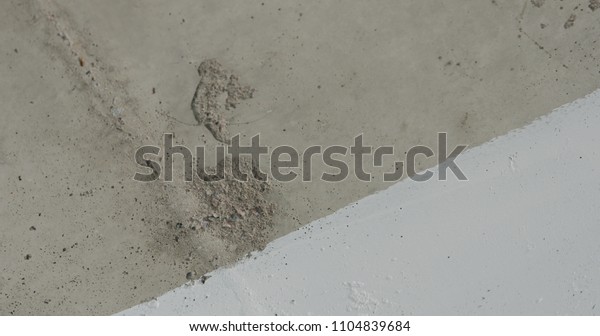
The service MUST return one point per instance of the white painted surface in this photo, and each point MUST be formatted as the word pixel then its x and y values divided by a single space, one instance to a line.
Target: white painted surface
pixel 520 237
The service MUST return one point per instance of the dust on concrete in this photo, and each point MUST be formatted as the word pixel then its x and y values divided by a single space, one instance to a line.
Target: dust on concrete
pixel 239 212
pixel 215 84
pixel 594 4
pixel 222 219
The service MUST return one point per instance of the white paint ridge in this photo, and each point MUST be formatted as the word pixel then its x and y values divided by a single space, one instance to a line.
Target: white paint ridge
pixel 520 237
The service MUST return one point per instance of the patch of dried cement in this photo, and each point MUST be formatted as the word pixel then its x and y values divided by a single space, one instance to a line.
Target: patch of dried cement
pixel 216 81
pixel 570 21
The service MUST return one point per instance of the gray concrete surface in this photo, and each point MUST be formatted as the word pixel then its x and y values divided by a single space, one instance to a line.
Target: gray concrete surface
pixel 399 72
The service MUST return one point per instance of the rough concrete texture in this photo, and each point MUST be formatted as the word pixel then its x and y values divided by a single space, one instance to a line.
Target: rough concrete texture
pixel 83 84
